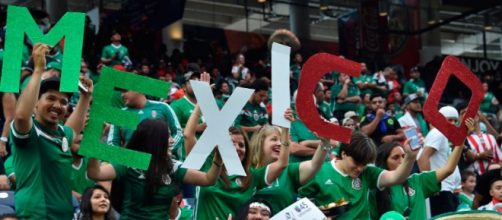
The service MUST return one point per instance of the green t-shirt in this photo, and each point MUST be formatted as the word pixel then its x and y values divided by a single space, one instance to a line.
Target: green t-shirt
pixel 282 192
pixel 421 187
pixel 252 115
pixel 299 132
pixel 331 185
pixel 217 201
pixel 42 161
pixel 365 78
pixel 183 109
pixel 352 90
pixel 152 109
pixel 414 86
pixel 325 110
pixel 135 203
pixel 486 104
pixel 79 178
pixel 464 200
pixel 185 214
pixel 121 52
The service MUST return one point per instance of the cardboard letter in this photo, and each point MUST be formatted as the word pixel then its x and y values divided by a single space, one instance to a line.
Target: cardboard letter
pixel 20 22
pixel 313 70
pixel 452 67
pixel 280 84
pixel 216 133
pixel 102 111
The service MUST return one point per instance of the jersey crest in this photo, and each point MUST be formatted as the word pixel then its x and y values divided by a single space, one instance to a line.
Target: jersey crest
pixel 356 183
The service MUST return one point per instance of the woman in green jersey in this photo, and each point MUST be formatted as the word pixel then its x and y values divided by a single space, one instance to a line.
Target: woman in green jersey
pixel 230 192
pixel 265 149
pixel 409 197
pixel 148 194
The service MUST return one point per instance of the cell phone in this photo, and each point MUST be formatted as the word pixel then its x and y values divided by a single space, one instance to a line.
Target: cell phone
pixel 82 87
pixel 411 133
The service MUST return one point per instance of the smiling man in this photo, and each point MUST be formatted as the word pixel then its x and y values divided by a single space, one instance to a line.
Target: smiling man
pixel 41 146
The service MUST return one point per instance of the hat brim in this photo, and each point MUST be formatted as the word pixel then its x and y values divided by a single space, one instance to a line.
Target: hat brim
pixel 51 84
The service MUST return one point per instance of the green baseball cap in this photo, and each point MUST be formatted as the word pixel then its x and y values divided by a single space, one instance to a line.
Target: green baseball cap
pixel 53 65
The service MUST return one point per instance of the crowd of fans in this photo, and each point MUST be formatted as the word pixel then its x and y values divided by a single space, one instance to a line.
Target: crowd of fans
pixel 42 130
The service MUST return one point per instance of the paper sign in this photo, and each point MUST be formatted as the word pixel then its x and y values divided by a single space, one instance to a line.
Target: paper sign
pixel 102 111
pixel 301 209
pixel 20 22
pixel 313 70
pixel 280 84
pixel 452 67
pixel 216 132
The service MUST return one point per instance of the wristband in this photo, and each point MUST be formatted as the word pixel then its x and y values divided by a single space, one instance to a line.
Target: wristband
pixel 3 139
pixel 285 144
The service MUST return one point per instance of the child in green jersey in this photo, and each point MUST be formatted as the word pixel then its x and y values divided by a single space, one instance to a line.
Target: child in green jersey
pixel 409 197
pixel 265 149
pixel 148 194
pixel 231 192
pixel 255 209
pixel 350 178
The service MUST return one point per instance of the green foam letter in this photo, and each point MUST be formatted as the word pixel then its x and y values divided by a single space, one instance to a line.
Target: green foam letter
pixel 102 111
pixel 20 22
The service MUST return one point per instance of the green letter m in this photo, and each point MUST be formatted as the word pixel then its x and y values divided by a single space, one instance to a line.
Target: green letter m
pixel 19 22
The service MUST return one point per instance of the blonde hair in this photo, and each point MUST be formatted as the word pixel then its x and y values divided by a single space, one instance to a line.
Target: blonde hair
pixel 256 144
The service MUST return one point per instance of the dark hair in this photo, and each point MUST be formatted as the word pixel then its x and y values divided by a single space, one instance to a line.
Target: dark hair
pixel 361 148
pixel 495 179
pixel 384 197
pixel 466 174
pixel 260 85
pixel 86 206
pixel 376 95
pixel 246 163
pixel 244 210
pixel 152 136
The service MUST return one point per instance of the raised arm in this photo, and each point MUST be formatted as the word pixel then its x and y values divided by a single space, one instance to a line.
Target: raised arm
pixel 275 169
pixel 77 119
pixel 29 96
pixel 399 175
pixel 9 107
pixel 452 162
pixel 309 168
pixel 199 178
pixel 99 172
pixel 190 129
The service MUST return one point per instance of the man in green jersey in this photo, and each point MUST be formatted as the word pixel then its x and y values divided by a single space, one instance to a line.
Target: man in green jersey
pixel 254 116
pixel 116 53
pixel 415 84
pixel 138 103
pixel 42 156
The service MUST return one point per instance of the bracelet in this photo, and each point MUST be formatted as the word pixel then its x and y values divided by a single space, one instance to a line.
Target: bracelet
pixel 326 146
pixel 4 139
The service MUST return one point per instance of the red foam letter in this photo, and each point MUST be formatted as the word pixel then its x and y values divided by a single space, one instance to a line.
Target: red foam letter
pixel 452 66
pixel 313 70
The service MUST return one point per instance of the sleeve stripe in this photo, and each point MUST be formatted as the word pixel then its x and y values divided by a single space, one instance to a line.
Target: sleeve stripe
pixel 17 135
pixel 378 181
pixel 266 175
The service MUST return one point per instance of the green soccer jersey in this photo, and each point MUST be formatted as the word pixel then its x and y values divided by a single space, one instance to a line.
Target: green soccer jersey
pixel 152 109
pixel 136 205
pixel 331 185
pixel 183 108
pixel 325 110
pixel 218 201
pixel 365 79
pixel 252 115
pixel 120 52
pixel 414 86
pixel 421 187
pixel 299 132
pixel 352 90
pixel 42 161
pixel 282 192
pixel 486 104
pixel 79 178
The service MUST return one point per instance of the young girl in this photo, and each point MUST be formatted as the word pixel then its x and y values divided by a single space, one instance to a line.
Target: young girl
pixel 148 194
pixel 409 197
pixel 230 192
pixel 95 204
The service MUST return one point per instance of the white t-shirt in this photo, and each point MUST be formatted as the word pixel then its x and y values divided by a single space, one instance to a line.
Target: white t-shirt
pixel 439 142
